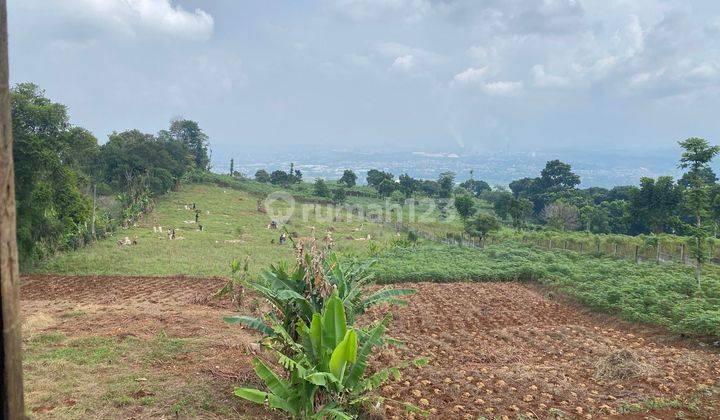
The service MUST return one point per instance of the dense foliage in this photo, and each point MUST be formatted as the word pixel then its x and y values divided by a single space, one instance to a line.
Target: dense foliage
pixel 59 167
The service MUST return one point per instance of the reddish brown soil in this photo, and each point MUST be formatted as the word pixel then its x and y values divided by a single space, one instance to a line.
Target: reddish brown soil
pixel 142 308
pixel 501 349
pixel 495 349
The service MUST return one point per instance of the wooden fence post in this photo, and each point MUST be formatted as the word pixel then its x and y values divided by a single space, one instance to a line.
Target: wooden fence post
pixel 637 254
pixel 682 253
pixel 657 253
pixel 11 385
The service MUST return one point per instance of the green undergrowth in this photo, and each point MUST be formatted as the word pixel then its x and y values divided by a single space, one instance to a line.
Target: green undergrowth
pixel 660 294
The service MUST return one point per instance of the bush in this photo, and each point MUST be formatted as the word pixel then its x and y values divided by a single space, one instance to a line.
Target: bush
pixel 312 335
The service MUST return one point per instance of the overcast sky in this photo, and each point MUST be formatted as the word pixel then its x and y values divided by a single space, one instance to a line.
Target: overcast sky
pixel 423 74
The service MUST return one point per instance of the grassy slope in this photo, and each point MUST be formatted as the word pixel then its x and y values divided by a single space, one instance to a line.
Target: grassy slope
pixel 232 216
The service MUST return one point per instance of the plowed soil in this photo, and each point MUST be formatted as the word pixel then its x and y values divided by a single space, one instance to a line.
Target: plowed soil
pixel 495 349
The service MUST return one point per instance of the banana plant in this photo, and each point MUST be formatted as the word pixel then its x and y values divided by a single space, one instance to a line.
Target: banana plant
pixel 329 357
pixel 297 299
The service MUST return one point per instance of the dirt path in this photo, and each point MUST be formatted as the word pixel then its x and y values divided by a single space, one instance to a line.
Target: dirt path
pixel 129 347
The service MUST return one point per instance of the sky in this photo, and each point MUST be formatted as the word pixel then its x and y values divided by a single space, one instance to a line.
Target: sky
pixel 379 75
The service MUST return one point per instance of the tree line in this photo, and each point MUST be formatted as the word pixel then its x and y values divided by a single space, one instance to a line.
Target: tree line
pixel 554 200
pixel 61 167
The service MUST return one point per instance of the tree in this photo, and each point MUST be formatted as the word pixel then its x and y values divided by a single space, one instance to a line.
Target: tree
pixel 561 216
pixel 386 187
pixel 348 178
pixel 375 178
pixel 557 176
pixel 524 187
pixel 501 204
pixel 49 203
pixel 447 183
pixel 279 177
pixel 465 206
pixel 408 185
pixel 481 225
pixel 696 157
pixel 339 194
pixel 697 154
pixel 232 166
pixel 321 188
pixel 595 219
pixel 520 210
pixel 476 187
pixel 654 205
pixel 189 133
pixel 429 187
pixel 262 176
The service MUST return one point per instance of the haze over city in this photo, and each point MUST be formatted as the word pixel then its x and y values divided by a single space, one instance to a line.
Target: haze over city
pixel 455 76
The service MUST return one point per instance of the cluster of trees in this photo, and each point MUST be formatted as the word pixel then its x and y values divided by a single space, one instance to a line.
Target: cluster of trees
pixel 59 167
pixel 407 186
pixel 657 205
pixel 282 178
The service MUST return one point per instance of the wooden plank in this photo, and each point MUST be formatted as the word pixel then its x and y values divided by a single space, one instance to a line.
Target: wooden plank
pixel 11 351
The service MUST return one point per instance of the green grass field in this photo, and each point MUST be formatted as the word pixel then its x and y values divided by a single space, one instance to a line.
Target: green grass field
pixel 232 228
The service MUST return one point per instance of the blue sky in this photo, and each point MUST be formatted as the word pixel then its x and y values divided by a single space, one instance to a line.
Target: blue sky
pixel 468 75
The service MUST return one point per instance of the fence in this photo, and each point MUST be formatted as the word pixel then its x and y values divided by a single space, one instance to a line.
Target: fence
pixel 637 249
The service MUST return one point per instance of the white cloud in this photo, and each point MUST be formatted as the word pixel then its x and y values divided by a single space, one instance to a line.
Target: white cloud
pixel 404 63
pixel 471 75
pixel 502 88
pixel 129 18
pixel 544 80
pixel 368 10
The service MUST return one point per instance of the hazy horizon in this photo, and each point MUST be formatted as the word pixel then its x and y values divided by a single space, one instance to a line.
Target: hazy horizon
pixel 429 75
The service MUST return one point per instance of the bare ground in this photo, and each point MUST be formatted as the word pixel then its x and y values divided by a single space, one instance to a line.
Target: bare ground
pixel 139 347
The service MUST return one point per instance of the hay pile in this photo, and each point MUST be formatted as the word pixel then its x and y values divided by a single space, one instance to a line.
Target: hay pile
pixel 622 365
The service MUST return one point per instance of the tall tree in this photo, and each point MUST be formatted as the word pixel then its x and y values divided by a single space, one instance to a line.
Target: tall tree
pixel 447 183
pixel 696 157
pixel 348 178
pixel 190 133
pixel 408 184
pixel 655 204
pixel 49 203
pixel 558 176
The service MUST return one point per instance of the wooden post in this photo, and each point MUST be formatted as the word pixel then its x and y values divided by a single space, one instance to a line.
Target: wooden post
pixel 92 228
pixel 581 247
pixel 11 385
pixel 657 253
pixel 682 253
pixel 637 254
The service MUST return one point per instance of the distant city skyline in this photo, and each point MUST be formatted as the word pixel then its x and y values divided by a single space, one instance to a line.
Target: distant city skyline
pixel 606 169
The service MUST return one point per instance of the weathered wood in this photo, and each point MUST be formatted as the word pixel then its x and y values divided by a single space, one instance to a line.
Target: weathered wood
pixel 11 387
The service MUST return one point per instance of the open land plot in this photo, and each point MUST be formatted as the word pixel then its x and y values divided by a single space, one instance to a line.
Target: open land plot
pixel 143 347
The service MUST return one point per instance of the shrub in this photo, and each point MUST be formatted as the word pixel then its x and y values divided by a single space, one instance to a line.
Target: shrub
pixel 313 338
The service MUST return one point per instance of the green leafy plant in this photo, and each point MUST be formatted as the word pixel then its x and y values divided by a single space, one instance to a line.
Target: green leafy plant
pixel 312 336
pixel 296 294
